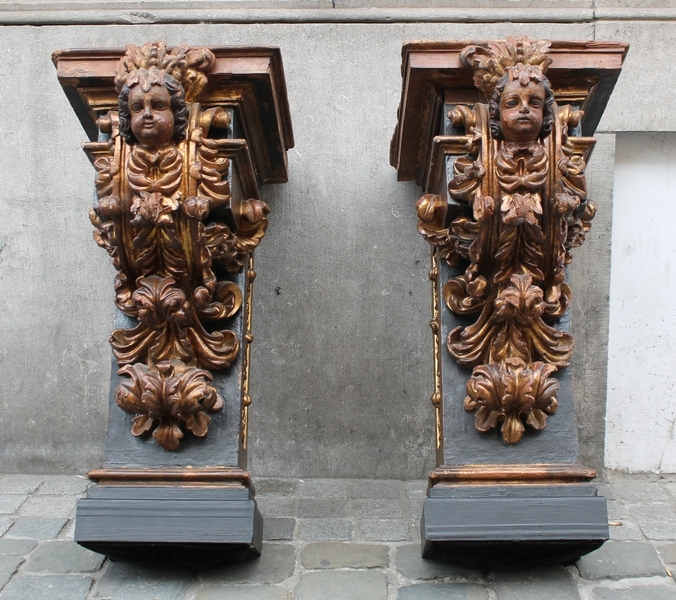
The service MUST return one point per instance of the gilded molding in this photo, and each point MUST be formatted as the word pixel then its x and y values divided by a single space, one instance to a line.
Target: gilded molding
pixel 248 338
pixel 435 325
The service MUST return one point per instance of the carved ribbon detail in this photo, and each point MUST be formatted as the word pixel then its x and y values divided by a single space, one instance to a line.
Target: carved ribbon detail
pixel 165 216
pixel 519 205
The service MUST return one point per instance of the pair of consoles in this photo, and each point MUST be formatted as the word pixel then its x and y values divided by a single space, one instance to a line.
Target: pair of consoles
pixel 497 135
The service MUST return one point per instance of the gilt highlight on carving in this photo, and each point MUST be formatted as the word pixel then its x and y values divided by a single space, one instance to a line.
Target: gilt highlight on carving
pixel 523 207
pixel 164 216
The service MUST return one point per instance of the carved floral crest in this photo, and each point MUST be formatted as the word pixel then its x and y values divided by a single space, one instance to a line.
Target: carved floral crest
pixel 163 201
pixel 516 55
pixel 186 65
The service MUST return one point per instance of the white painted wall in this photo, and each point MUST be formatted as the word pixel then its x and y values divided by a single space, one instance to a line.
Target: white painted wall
pixel 641 405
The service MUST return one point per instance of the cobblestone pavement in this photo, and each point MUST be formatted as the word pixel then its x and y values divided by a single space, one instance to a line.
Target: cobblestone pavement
pixel 333 540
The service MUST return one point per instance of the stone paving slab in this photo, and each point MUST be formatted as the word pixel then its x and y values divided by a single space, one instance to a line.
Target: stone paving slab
pixel 277 506
pixel 64 484
pixel 9 503
pixel 417 488
pixel 377 509
pixel 668 553
pixel 68 530
pixel 671 488
pixel 443 591
pixel 20 484
pixel 122 581
pixel 19 547
pixel 342 585
pixel 411 565
pixel 619 560
pixel 36 528
pixel 248 592
pixel 639 592
pixel 626 531
pixel 636 492
pixel 329 555
pixel 323 488
pixel 617 511
pixel 326 529
pixel 376 488
pixel 605 489
pixel 552 583
pixel 53 506
pixel 385 530
pixel 50 587
pixel 276 486
pixel 8 565
pixel 416 508
pixel 275 564
pixel 63 557
pixel 321 508
pixel 278 529
pixel 656 520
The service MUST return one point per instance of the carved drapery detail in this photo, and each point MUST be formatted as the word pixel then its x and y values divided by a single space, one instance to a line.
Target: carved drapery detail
pixel 519 205
pixel 164 213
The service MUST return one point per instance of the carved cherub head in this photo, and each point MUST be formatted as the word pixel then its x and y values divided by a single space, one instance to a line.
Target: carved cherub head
pixel 153 111
pixel 521 106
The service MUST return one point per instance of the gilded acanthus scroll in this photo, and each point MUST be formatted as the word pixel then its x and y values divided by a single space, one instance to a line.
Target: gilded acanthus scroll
pixel 164 215
pixel 519 206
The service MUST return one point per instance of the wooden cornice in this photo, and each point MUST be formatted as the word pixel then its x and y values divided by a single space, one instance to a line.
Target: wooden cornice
pixel 248 79
pixel 582 73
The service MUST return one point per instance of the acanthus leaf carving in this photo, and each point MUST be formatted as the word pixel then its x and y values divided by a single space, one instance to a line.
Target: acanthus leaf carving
pixel 164 397
pixel 511 393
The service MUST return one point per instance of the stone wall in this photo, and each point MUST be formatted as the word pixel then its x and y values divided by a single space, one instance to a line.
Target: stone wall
pixel 342 362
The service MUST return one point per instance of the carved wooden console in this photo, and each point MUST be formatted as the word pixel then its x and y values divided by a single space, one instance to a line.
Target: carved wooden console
pixel 181 140
pixel 498 135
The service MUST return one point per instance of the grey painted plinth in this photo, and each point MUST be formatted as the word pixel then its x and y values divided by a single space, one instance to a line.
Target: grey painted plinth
pixel 193 526
pixel 507 526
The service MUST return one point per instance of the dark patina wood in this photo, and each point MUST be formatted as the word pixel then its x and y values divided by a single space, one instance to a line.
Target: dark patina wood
pixel 196 526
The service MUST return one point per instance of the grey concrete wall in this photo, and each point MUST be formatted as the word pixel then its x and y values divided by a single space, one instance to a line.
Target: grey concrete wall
pixel 341 371
pixel 589 274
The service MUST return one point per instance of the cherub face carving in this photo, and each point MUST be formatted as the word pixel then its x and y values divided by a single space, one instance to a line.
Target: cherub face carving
pixel 522 111
pixel 152 119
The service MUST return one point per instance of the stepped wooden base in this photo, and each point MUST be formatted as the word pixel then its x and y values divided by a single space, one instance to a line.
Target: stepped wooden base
pixel 193 525
pixel 512 525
